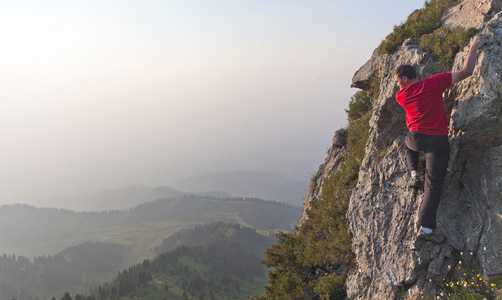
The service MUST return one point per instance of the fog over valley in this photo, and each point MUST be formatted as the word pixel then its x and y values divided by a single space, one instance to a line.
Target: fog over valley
pixel 104 95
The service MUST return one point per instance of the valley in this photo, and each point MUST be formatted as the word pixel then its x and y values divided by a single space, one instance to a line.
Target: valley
pixel 43 243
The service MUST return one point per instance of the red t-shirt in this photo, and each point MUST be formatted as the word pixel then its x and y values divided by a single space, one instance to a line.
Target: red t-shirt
pixel 423 102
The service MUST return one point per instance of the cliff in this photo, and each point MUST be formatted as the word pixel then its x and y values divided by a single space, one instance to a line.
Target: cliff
pixel 389 262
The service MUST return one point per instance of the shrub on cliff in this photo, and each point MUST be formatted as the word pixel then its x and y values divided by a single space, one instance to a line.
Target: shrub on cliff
pixel 445 42
pixel 425 23
pixel 362 101
pixel 312 262
pixel 422 21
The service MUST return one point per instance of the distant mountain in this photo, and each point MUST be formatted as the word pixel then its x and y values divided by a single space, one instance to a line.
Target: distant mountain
pixel 129 197
pixel 112 199
pixel 270 186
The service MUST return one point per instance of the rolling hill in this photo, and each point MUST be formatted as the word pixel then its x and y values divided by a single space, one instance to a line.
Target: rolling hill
pixel 29 231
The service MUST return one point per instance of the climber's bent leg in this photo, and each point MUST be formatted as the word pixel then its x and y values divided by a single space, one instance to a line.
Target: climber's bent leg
pixel 437 154
pixel 412 151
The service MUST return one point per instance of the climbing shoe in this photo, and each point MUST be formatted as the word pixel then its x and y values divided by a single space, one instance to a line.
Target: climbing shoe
pixel 414 182
pixel 433 237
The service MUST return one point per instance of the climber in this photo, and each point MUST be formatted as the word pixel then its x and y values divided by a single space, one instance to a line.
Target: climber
pixel 428 132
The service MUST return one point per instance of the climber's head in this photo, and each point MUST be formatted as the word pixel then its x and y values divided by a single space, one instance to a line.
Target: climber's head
pixel 405 75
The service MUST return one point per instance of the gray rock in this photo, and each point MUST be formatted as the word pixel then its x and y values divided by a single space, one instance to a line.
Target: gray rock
pixel 340 139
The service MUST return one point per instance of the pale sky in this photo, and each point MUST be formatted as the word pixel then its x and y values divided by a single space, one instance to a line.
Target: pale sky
pixel 105 94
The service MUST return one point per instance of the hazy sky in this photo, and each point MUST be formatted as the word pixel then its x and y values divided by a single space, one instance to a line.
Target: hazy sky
pixel 104 94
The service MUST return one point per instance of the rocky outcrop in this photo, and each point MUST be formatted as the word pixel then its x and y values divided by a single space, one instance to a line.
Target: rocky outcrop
pixel 363 78
pixel 389 261
pixel 331 165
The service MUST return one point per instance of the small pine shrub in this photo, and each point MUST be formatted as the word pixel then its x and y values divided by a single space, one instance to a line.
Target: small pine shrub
pixel 358 105
pixel 445 42
pixel 362 101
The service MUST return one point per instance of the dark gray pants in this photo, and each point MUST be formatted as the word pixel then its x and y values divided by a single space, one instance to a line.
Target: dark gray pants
pixel 437 154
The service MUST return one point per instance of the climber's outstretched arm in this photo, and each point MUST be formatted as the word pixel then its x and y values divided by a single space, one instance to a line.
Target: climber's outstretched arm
pixel 472 57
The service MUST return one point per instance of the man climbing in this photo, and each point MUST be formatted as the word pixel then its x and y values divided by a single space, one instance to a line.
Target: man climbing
pixel 428 132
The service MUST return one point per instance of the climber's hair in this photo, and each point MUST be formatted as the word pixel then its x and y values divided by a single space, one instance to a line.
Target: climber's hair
pixel 406 70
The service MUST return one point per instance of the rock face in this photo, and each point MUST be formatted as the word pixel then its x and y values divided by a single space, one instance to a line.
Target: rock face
pixel 472 13
pixel 331 165
pixel 390 262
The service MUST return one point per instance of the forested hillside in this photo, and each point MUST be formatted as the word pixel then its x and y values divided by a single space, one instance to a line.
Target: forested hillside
pixel 218 265
pixel 98 245
pixel 245 237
